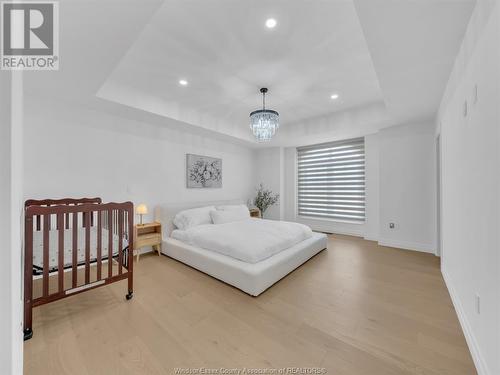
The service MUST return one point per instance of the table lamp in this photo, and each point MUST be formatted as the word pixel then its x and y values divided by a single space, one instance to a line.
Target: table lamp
pixel 141 210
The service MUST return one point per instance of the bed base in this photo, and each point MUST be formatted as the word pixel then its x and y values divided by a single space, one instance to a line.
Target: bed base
pixel 252 279
pixel 117 218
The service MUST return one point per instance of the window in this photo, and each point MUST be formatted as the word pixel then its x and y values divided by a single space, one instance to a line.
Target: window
pixel 331 180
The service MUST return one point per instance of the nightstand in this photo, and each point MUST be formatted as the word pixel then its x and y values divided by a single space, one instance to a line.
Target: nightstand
pixel 254 212
pixel 148 234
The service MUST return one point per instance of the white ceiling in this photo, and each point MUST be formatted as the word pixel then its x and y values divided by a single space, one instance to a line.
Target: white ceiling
pixel 94 35
pixel 413 45
pixel 391 55
pixel 225 51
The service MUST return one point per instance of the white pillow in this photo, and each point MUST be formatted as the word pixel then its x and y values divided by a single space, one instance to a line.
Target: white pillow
pixel 228 216
pixel 195 216
pixel 232 207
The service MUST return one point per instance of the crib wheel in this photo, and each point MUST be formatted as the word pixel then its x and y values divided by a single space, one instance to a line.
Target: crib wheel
pixel 28 333
pixel 129 295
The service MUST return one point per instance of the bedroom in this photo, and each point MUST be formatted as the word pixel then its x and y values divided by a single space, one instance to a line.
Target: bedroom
pixel 381 252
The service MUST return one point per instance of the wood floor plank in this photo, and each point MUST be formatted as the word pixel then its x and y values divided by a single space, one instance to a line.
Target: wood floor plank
pixel 357 308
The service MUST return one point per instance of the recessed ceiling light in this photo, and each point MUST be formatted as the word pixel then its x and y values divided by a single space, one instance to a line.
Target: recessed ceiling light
pixel 334 96
pixel 183 82
pixel 271 23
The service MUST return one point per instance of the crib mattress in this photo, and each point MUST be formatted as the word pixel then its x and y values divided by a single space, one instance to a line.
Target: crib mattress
pixel 68 247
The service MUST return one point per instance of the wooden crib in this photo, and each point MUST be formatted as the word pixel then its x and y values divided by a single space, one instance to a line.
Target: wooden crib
pixel 74 245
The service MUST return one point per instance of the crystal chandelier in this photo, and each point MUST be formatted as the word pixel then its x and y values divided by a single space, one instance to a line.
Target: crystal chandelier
pixel 264 122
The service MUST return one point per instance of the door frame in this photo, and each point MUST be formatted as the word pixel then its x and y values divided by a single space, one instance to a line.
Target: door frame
pixel 439 197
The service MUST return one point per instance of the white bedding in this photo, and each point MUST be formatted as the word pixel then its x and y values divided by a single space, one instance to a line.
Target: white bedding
pixel 68 246
pixel 251 240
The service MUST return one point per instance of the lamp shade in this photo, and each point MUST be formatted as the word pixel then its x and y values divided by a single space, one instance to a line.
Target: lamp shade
pixel 141 209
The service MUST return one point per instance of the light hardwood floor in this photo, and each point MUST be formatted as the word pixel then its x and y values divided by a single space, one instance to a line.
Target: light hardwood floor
pixel 357 309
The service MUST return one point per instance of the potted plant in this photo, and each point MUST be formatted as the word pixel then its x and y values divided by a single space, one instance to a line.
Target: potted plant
pixel 265 198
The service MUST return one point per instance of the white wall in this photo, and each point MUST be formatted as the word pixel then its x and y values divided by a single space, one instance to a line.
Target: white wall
pixel 470 186
pixel 5 225
pixel 17 219
pixel 400 188
pixel 72 152
pixel 407 186
pixel 372 187
pixel 339 125
pixel 270 172
pixel 11 127
pixel 290 188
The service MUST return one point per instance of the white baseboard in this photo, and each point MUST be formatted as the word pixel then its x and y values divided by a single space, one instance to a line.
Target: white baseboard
pixel 479 362
pixel 407 245
pixel 371 238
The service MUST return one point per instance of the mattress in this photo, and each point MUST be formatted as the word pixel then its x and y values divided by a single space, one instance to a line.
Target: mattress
pixel 68 247
pixel 252 278
pixel 250 240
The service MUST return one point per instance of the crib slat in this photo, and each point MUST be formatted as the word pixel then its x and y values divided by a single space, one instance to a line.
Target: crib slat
pixel 60 252
pixel 110 243
pixel 87 248
pixel 67 221
pixel 28 272
pixel 46 228
pixel 125 225
pixel 120 241
pixel 99 244
pixel 125 235
pixel 74 255
pixel 50 219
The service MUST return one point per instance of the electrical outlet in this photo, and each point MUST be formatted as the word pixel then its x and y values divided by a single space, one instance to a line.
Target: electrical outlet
pixel 392 225
pixel 478 304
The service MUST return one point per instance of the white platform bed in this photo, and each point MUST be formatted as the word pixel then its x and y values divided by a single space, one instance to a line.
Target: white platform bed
pixel 252 278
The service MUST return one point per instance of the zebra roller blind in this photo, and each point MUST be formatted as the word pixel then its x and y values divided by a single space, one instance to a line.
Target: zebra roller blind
pixel 331 180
